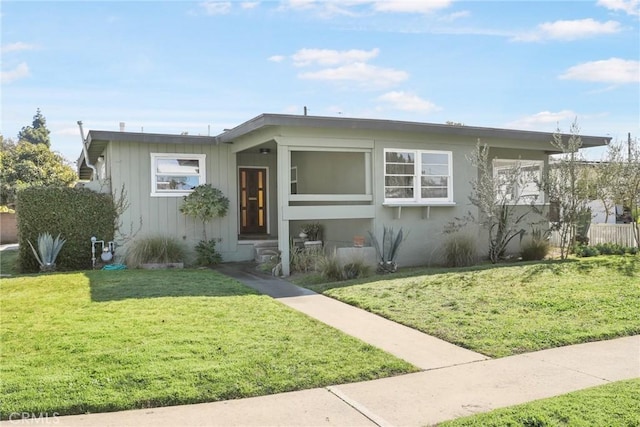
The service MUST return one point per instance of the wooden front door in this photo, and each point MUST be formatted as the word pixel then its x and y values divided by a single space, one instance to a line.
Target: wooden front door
pixel 253 200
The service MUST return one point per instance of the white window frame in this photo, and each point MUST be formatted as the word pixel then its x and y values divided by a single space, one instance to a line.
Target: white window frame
pixel 202 178
pixel 417 198
pixel 519 196
pixel 293 188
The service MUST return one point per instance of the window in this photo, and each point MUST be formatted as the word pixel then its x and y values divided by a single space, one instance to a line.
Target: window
pixel 294 180
pixel 175 174
pixel 417 176
pixel 521 188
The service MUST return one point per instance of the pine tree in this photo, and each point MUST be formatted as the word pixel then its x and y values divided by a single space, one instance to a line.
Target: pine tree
pixel 37 133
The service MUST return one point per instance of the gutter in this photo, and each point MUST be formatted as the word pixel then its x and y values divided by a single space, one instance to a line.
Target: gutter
pixel 94 174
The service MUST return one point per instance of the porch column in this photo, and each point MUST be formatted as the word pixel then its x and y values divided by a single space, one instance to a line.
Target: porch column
pixel 284 188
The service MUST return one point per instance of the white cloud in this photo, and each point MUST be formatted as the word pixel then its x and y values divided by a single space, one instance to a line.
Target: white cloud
pixel 325 57
pixel 570 30
pixel 216 7
pixel 361 73
pixel 406 101
pixel 249 4
pixel 276 58
pixel 300 4
pixel 613 70
pixel 631 7
pixel 350 7
pixel 21 71
pixel 455 16
pixel 543 120
pixel 410 6
pixel 17 47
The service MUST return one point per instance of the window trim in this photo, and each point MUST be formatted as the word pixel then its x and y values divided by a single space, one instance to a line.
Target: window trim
pixel 201 158
pixel 505 164
pixel 417 200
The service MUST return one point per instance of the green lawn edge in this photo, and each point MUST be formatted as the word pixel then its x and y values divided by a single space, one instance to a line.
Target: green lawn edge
pixel 102 341
pixel 507 309
pixel 614 404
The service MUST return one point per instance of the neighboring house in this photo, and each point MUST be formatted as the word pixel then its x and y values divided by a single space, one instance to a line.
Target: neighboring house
pixel 281 171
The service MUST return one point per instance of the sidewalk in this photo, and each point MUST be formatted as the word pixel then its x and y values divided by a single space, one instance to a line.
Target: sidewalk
pixel 455 382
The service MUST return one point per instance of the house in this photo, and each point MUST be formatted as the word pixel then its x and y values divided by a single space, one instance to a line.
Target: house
pixel 281 171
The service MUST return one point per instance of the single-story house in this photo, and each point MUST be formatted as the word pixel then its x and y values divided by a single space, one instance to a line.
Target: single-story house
pixel 282 171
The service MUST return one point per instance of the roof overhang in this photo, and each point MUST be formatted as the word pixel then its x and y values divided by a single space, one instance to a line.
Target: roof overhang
pixel 284 120
pixel 97 141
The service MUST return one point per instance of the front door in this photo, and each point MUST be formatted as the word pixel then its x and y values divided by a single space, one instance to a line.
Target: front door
pixel 253 200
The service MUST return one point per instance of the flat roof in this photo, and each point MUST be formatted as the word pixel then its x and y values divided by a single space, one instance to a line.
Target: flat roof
pixel 97 139
pixel 265 120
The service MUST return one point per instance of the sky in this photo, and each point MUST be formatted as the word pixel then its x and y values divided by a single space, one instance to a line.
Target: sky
pixel 201 67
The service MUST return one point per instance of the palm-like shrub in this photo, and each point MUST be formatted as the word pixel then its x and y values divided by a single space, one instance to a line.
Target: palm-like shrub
pixel 48 250
pixel 387 252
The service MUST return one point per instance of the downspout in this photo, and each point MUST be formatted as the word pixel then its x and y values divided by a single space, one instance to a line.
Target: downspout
pixel 94 174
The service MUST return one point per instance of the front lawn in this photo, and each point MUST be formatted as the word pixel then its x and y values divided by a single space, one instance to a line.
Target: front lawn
pixel 615 404
pixel 508 309
pixel 112 340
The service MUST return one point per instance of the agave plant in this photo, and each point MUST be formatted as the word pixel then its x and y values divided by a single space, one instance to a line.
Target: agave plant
pixel 48 249
pixel 388 251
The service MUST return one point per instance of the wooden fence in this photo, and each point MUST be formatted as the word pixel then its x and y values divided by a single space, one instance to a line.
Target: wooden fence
pixel 621 234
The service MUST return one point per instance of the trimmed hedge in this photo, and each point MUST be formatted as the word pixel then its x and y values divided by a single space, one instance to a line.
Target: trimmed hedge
pixel 74 213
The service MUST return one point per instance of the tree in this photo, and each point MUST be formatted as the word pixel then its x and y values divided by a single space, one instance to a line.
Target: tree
pixel 206 203
pixel 602 178
pixel 502 211
pixel 37 133
pixel 626 185
pixel 25 165
pixel 566 189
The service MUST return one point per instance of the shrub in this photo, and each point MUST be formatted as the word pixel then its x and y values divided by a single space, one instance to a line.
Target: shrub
pixel 585 251
pixel 206 253
pixel 387 251
pixel 356 269
pixel 604 249
pixel 535 250
pixel 460 251
pixel 329 268
pixel 205 203
pixel 75 213
pixel 155 249
pixel 48 250
pixel 610 249
pixel 302 260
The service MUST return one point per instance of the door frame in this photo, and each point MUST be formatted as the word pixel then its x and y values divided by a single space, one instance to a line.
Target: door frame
pixel 266 197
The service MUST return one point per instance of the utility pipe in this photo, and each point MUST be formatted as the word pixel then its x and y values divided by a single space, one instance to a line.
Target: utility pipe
pixel 94 175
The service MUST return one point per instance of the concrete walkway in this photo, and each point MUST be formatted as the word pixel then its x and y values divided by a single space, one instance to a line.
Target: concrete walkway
pixel 423 351
pixel 455 382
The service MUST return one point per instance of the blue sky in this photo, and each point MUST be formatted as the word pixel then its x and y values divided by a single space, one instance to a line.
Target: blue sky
pixel 200 67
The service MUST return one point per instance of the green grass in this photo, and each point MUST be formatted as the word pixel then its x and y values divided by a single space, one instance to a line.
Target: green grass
pixel 113 340
pixel 508 309
pixel 8 262
pixel 615 404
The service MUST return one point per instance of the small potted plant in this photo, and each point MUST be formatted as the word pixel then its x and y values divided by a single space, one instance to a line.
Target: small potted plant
pixel 312 230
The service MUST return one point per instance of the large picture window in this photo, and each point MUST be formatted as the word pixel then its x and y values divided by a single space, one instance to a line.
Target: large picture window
pixel 417 176
pixel 174 174
pixel 518 180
